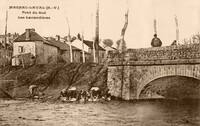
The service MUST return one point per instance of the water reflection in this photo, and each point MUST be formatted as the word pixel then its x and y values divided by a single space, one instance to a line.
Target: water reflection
pixel 137 113
pixel 170 112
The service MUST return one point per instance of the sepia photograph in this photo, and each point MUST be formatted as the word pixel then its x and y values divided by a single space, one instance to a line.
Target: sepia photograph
pixel 99 62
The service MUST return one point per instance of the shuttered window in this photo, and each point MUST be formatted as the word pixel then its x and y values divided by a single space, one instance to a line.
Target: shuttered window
pixel 21 49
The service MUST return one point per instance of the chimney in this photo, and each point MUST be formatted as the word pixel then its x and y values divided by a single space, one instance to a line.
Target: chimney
pixel 57 37
pixel 28 31
pixel 32 29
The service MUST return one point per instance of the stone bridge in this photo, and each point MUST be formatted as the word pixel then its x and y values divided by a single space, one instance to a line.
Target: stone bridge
pixel 131 73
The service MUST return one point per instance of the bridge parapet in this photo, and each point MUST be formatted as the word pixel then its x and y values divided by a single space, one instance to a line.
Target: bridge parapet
pixel 157 55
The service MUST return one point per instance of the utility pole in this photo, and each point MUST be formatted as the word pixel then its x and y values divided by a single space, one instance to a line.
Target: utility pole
pixel 97 33
pixel 6 28
pixel 5 40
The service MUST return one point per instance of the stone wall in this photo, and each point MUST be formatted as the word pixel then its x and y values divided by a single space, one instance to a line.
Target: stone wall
pixel 137 77
pixel 114 80
pixel 28 47
pixel 39 52
pixel 115 84
pixel 183 52
pixel 50 53
pixel 141 66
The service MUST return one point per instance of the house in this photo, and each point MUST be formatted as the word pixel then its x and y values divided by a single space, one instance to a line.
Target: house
pixel 5 51
pixel 40 49
pixel 5 54
pixel 78 44
pixel 102 51
pixel 64 51
pixel 6 48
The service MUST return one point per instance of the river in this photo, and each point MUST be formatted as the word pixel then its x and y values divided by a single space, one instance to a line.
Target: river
pixel 112 113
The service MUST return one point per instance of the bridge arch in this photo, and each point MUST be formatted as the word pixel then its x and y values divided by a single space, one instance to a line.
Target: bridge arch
pixel 156 72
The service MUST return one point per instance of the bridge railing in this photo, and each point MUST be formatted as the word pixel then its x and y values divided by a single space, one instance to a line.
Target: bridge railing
pixel 170 53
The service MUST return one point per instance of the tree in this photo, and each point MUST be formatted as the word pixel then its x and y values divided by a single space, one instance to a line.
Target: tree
pixel 122 48
pixel 107 42
pixel 123 45
pixel 196 38
pixel 70 39
pixel 193 39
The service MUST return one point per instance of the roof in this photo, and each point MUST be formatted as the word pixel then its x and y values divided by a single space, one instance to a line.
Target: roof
pixel 36 37
pixel 108 48
pixel 75 48
pixel 60 45
pixel 33 37
pixel 90 45
pixel 113 48
pixel 63 46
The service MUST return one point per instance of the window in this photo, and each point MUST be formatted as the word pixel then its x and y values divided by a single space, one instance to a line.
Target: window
pixel 102 55
pixel 21 49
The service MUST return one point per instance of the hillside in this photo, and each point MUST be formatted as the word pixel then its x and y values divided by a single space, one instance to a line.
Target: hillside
pixel 51 78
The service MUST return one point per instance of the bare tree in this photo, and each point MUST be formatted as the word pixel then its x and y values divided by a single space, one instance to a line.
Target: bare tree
pixel 122 48
pixel 69 39
pixel 93 40
pixel 121 42
pixel 83 52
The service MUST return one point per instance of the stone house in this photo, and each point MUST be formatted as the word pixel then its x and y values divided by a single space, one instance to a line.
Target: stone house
pixel 31 42
pixel 43 49
pixel 64 50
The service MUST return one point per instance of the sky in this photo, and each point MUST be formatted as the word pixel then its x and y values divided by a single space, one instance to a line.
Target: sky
pixel 81 15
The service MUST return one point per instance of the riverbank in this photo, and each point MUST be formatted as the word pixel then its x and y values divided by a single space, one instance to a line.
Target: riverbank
pixel 51 79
